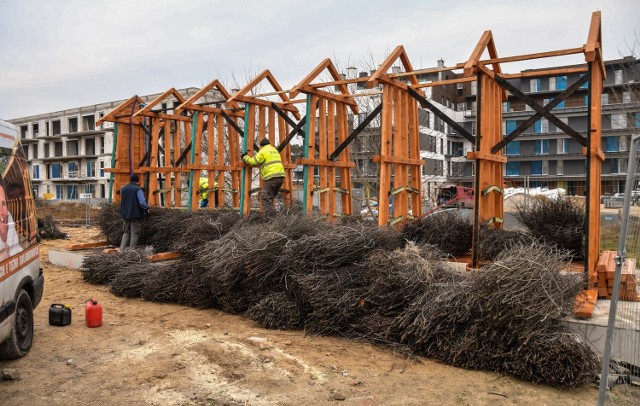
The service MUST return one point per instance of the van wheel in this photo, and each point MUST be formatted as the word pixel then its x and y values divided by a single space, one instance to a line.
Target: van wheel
pixel 19 341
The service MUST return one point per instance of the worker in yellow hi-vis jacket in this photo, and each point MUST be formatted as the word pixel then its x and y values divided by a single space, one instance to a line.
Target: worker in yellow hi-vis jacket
pixel 271 172
pixel 203 192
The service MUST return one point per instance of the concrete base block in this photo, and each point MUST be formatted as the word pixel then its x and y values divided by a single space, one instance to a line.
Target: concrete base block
pixel 69 259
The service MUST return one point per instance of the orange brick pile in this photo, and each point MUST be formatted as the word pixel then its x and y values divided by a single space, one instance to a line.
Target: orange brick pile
pixel 629 280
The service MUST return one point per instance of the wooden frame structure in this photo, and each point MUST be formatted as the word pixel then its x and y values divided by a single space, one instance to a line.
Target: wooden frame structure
pixel 328 150
pixel 492 85
pixel 328 113
pixel 265 119
pixel 128 144
pixel 400 143
pixel 221 159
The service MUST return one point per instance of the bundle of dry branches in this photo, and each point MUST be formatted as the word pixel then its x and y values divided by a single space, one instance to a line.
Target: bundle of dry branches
pixel 276 311
pixel 502 316
pixel 493 241
pixel 448 231
pixel 100 268
pixel 350 279
pixel 558 222
pixel 47 229
pixel 180 281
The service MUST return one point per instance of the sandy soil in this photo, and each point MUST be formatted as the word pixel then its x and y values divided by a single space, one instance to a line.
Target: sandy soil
pixel 160 354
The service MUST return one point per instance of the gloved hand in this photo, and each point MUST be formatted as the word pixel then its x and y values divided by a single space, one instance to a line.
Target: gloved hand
pixel 243 155
pixel 147 213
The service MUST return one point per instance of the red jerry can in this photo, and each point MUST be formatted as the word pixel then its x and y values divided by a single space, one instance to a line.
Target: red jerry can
pixel 93 313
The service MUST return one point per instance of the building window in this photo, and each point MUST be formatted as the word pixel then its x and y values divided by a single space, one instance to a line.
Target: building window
pixel 91 169
pixel 36 129
pixel 552 83
pixel 626 97
pixel 36 171
pixel 24 129
pixel 586 101
pixel 55 171
pixel 505 107
pixel 72 192
pixel 618 122
pixel 637 120
pixel 611 144
pixel 617 77
pixel 88 123
pixel 90 146
pixel 605 98
pixel 559 167
pixel 536 167
pixel 73 169
pixel 560 105
pixel 537 127
pixel 102 169
pixel 509 126
pixel 72 148
pixel 544 125
pixel 563 146
pixel 561 83
pixel 73 124
pixel 474 88
pixel 614 165
pixel 534 85
pixel 513 148
pixel 541 147
pixel 101 145
pixel 59 192
pixel 513 168
pixel 56 128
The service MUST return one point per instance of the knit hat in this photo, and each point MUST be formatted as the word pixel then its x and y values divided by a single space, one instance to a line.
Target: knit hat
pixel 264 141
pixel 135 178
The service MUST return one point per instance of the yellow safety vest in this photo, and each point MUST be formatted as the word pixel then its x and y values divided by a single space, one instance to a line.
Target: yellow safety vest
pixel 268 158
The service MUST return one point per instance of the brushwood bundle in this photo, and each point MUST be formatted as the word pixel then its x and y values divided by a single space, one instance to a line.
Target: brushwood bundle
pixel 365 282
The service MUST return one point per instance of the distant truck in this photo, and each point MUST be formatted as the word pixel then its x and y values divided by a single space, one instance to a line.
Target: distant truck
pixel 455 196
pixel 21 278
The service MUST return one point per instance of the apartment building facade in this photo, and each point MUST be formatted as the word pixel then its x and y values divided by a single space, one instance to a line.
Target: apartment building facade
pixel 68 153
pixel 544 156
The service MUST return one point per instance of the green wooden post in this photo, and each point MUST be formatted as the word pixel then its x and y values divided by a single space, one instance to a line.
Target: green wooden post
pixel 192 158
pixel 305 168
pixel 247 106
pixel 113 161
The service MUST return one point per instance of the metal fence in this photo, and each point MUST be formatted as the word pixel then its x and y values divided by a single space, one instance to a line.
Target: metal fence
pixel 620 377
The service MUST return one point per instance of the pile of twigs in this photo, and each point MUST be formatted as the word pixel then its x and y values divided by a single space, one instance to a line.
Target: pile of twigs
pixel 170 229
pixel 503 317
pixel 354 280
pixel 101 268
pixel 558 222
pixel 48 229
pixel 448 231
pixel 493 241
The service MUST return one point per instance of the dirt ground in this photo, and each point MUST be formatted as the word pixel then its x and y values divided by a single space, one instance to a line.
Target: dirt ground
pixel 161 354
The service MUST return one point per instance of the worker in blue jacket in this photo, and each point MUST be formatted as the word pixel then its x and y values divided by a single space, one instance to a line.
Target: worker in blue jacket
pixel 133 208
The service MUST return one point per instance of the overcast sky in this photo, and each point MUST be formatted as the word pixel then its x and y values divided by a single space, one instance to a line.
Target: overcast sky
pixel 59 54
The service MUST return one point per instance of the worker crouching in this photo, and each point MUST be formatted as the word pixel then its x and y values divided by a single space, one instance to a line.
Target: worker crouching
pixel 271 171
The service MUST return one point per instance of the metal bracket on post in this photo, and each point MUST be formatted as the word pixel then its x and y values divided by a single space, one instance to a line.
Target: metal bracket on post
pixel 493 188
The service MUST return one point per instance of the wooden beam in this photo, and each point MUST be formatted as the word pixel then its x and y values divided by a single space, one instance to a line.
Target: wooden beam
pixel 396 160
pixel 538 55
pixel 486 157
pixel 400 53
pixel 146 110
pixel 324 162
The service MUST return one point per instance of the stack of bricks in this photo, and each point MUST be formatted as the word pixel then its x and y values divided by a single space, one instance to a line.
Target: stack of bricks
pixel 629 280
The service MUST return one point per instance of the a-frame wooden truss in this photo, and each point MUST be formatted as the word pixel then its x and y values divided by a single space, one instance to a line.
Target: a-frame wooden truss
pixel 400 163
pixel 328 113
pixel 216 119
pixel 265 119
